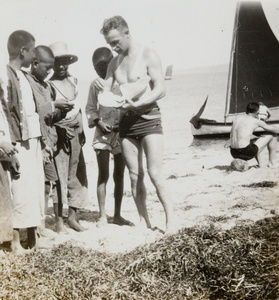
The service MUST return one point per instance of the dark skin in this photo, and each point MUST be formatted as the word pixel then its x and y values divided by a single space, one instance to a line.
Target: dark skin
pixel 103 157
pixel 60 75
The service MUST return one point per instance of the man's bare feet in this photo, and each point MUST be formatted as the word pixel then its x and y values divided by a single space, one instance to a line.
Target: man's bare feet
pixel 170 229
pixel 75 225
pixel 121 221
pixel 272 166
pixel 102 222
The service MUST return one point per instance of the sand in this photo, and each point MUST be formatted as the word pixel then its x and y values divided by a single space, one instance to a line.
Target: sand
pixel 202 187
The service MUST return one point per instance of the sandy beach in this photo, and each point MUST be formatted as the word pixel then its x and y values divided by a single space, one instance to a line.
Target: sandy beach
pixel 201 184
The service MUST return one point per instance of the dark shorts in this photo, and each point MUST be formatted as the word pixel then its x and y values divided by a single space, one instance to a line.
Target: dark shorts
pixel 50 172
pixel 134 126
pixel 246 153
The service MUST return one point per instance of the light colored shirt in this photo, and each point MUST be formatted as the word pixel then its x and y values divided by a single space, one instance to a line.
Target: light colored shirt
pixel 29 107
pixel 94 110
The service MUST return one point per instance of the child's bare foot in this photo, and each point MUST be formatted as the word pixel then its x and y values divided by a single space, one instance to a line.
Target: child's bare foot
pixel 121 221
pixel 102 222
pixel 17 248
pixel 75 225
pixel 44 232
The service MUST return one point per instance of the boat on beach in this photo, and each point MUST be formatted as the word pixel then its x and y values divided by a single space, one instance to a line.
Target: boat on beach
pixel 253 72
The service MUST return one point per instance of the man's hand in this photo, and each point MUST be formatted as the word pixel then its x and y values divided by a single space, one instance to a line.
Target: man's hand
pixel 64 104
pixel 8 149
pixel 105 128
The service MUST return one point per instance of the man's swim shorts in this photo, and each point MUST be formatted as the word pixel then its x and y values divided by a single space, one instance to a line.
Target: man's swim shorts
pixel 134 126
pixel 246 153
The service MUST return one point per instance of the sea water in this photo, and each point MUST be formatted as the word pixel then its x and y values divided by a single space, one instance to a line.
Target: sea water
pixel 186 92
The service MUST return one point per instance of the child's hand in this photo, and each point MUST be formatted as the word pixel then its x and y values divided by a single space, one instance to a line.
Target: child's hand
pixel 47 154
pixel 105 128
pixel 15 166
pixel 64 105
pixel 8 148
pixel 99 84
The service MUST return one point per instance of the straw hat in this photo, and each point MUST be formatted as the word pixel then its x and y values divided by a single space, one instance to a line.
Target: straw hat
pixel 60 50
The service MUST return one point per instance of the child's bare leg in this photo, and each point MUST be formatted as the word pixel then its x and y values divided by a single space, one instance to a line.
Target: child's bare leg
pixel 59 223
pixel 42 231
pixel 15 245
pixel 103 176
pixel 118 177
pixel 31 237
pixel 73 219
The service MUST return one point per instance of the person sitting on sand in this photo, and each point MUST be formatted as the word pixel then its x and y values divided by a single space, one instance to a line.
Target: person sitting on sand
pixel 245 145
pixel 140 127
pixel 106 140
pixel 264 112
pixel 69 157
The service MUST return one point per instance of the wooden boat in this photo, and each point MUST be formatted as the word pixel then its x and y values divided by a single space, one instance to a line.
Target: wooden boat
pixel 168 74
pixel 253 72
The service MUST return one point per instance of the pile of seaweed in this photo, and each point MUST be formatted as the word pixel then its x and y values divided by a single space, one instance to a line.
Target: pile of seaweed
pixel 196 263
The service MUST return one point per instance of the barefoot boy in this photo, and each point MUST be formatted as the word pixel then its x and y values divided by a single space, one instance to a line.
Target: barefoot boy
pixel 242 137
pixel 106 140
pixel 40 69
pixel 28 189
pixel 69 157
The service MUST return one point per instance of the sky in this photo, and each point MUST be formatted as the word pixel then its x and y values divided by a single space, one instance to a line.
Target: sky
pixel 185 33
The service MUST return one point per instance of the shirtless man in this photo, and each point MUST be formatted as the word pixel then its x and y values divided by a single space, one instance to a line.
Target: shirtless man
pixel 242 144
pixel 140 127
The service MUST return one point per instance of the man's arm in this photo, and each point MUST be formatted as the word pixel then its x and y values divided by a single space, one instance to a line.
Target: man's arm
pixel 269 128
pixel 155 71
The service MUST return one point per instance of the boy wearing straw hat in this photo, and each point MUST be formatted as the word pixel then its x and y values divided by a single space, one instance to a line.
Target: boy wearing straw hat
pixel 69 157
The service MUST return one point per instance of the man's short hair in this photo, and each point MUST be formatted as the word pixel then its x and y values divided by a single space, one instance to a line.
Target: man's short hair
pixel 116 22
pixel 17 40
pixel 101 54
pixel 252 108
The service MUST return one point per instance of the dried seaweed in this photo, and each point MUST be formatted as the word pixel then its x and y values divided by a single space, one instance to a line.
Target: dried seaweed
pixel 196 263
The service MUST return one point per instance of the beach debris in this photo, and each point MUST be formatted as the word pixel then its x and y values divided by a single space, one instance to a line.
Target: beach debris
pixel 239 165
pixel 200 262
pixel 262 184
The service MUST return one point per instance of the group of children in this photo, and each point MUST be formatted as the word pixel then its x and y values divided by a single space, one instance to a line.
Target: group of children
pixel 41 139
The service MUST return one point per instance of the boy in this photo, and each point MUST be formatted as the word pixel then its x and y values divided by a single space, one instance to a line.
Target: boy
pixel 106 140
pixel 41 66
pixel 69 157
pixel 28 189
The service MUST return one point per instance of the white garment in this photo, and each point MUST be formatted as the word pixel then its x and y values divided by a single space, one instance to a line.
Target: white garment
pixel 29 106
pixel 28 189
pixel 4 127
